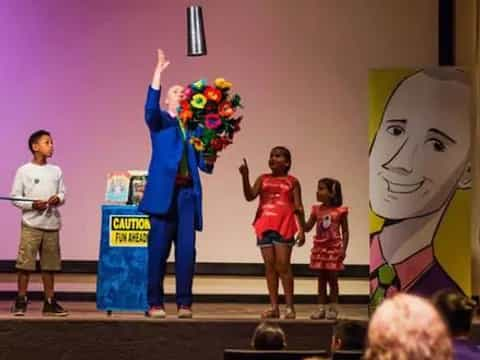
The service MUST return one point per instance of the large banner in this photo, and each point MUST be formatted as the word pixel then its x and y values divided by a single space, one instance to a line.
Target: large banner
pixel 420 181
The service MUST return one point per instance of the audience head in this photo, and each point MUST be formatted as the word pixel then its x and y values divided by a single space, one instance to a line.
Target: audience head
pixel 349 335
pixel 407 327
pixel 269 336
pixel 456 309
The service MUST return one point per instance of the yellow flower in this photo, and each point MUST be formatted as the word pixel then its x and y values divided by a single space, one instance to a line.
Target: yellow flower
pixel 221 83
pixel 198 101
pixel 197 144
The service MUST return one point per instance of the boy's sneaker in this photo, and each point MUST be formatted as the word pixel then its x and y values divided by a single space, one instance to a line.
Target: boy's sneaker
pixel 157 312
pixel 52 308
pixel 185 312
pixel 19 308
pixel 331 314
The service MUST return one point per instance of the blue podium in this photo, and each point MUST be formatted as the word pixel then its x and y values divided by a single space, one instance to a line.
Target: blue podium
pixel 122 265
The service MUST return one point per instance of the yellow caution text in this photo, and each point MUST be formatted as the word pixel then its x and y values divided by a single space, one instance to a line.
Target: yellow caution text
pixel 129 230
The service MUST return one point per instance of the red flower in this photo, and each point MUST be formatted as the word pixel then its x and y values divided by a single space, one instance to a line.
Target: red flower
pixel 225 109
pixel 213 94
pixel 226 141
pixel 185 104
pixel 217 144
pixel 220 143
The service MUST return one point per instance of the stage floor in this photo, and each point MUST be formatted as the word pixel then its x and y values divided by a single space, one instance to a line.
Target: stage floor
pixel 203 311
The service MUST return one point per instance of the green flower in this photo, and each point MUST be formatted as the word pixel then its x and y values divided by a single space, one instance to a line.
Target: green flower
pixel 199 85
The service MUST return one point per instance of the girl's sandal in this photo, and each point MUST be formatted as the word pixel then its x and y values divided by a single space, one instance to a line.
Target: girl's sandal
pixel 290 313
pixel 271 314
pixel 318 315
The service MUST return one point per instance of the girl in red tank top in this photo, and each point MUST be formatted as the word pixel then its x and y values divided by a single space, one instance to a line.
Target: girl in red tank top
pixel 279 217
pixel 329 244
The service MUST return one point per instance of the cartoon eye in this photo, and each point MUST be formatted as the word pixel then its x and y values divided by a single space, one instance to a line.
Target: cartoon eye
pixel 395 130
pixel 438 145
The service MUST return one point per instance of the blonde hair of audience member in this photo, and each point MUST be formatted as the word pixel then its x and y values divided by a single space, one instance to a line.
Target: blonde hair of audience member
pixel 407 327
pixel 268 336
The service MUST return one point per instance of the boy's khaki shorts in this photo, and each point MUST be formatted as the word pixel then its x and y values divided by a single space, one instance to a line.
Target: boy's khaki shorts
pixel 45 242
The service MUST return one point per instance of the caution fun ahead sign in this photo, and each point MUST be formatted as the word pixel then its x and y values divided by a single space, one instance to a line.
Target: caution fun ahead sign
pixel 129 230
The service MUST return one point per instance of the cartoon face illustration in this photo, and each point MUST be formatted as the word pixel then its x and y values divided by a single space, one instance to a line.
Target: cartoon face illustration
pixel 420 154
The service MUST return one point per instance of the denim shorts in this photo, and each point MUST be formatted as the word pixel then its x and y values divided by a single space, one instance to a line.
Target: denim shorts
pixel 271 238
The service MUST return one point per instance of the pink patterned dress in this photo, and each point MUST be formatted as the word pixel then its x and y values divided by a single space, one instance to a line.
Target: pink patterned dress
pixel 276 211
pixel 327 243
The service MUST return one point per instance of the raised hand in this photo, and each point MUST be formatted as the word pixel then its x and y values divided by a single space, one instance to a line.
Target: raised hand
pixel 162 62
pixel 244 168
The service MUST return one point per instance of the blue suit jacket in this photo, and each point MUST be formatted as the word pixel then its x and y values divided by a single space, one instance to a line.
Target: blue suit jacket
pixel 167 150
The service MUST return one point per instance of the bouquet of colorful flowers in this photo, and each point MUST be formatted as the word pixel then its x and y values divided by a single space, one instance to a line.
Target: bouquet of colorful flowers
pixel 208 112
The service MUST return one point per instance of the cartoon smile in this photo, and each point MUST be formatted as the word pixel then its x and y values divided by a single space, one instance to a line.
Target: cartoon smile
pixel 397 188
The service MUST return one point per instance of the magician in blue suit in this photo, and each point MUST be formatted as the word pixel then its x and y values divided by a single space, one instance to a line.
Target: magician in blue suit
pixel 173 196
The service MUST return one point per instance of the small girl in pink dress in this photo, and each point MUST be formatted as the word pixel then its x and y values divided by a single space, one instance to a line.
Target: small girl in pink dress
pixel 329 244
pixel 279 217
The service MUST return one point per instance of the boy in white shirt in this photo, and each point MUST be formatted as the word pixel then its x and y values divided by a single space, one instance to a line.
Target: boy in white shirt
pixel 43 184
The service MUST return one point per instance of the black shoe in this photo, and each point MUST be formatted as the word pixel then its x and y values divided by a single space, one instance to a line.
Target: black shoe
pixel 20 306
pixel 52 308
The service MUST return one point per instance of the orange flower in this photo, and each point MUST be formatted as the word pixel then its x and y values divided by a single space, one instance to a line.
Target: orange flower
pixel 185 115
pixel 225 109
pixel 213 94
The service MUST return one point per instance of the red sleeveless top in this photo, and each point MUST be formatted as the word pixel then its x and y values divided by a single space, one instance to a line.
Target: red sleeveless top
pixel 276 210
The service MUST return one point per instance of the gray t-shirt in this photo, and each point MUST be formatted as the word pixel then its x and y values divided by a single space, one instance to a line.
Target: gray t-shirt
pixel 39 182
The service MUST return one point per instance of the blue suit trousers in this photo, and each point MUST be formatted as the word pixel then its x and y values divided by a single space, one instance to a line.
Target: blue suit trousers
pixel 176 226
